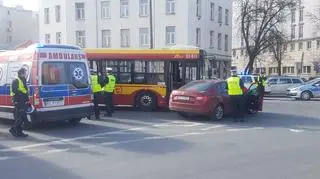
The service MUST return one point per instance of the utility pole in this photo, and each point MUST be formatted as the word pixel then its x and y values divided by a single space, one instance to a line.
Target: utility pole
pixel 151 23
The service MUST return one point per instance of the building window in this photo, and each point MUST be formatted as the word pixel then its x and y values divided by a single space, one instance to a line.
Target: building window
pixel 212 11
pixel 58 13
pixel 81 38
pixel 309 43
pixel 170 35
pixel 318 44
pixel 125 37
pixel 219 41
pixel 211 39
pixel 227 17
pixel 198 37
pixel 9 39
pixel 47 38
pixel 300 30
pixel 199 9
pixel 307 69
pixel 301 15
pixel 170 7
pixel 144 8
pixel 105 10
pixel 124 8
pixel 293 32
pixel 285 47
pixel 242 41
pixel 58 37
pixel 80 11
pixel 300 46
pixel 234 53
pixel 226 43
pixel 293 16
pixel 144 37
pixel 46 16
pixel 106 38
pixel 292 47
pixel 220 14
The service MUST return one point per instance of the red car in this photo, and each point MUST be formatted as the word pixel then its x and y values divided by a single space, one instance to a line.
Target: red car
pixel 203 97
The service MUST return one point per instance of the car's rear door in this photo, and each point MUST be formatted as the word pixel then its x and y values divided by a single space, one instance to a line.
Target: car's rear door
pixel 54 89
pixel 78 83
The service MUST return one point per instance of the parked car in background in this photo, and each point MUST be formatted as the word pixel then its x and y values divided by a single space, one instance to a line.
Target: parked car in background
pixel 247 79
pixel 308 90
pixel 277 86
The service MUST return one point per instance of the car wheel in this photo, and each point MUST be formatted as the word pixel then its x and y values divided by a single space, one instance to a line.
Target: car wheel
pixel 183 114
pixel 306 95
pixel 146 102
pixel 218 113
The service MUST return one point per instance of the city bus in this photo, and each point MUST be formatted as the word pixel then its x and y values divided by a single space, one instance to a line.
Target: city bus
pixel 146 77
pixel 58 81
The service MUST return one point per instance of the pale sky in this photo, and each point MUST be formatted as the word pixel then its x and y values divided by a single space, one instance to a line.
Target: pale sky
pixel 27 4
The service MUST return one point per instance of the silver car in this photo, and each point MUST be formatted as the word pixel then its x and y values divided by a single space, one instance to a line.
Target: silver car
pixel 310 89
pixel 278 85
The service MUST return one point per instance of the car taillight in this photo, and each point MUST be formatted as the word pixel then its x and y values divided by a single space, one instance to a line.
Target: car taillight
pixel 201 99
pixel 36 97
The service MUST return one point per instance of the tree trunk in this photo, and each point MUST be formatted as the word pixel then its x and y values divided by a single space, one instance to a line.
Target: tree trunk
pixel 249 67
pixel 279 67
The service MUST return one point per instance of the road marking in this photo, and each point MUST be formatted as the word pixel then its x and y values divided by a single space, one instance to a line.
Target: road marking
pixel 244 129
pixel 56 151
pixel 297 130
pixel 212 127
pixel 4 158
pixel 136 129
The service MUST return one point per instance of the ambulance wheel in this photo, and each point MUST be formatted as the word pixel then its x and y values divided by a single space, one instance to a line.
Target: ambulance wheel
pixel 75 121
pixel 146 101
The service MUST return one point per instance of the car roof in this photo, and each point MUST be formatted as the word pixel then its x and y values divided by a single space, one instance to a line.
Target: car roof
pixel 208 81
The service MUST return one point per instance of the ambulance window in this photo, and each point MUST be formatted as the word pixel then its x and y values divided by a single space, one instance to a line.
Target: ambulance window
pixel 53 73
pixel 78 74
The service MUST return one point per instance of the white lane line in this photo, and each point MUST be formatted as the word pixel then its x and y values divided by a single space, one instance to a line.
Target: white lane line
pixel 56 151
pixel 4 158
pixel 212 127
pixel 137 129
pixel 296 130
pixel 244 129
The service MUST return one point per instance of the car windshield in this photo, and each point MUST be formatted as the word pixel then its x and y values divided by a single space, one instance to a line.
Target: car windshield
pixel 313 81
pixel 197 86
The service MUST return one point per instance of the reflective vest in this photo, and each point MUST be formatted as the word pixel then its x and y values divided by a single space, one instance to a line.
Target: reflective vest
pixel 96 87
pixel 21 88
pixel 111 85
pixel 234 86
pixel 264 82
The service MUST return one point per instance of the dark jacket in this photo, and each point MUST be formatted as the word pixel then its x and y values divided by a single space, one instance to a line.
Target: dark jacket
pixel 19 97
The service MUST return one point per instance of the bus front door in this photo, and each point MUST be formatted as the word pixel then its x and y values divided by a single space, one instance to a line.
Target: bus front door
pixel 174 75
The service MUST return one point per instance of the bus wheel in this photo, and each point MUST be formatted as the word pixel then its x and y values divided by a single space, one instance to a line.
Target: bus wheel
pixel 75 121
pixel 146 101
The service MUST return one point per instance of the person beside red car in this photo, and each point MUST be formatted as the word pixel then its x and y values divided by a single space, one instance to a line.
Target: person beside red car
pixel 236 90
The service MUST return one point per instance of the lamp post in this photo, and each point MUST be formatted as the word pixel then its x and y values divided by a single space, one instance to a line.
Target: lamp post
pixel 151 23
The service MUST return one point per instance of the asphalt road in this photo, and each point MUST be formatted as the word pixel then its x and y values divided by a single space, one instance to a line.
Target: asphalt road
pixel 282 142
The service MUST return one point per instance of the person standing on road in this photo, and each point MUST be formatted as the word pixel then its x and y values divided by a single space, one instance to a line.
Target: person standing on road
pixel 96 82
pixel 235 88
pixel 20 100
pixel 261 84
pixel 110 83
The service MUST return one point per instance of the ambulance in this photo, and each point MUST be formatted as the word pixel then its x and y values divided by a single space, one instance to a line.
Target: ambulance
pixel 58 81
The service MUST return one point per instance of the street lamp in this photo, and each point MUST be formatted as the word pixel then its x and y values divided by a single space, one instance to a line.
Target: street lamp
pixel 151 23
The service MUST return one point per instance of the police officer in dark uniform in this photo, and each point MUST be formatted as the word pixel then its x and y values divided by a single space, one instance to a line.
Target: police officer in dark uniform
pixel 235 88
pixel 110 83
pixel 97 82
pixel 20 99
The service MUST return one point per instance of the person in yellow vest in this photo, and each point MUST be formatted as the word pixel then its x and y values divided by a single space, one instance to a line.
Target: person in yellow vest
pixel 20 100
pixel 235 88
pixel 108 89
pixel 261 84
pixel 96 83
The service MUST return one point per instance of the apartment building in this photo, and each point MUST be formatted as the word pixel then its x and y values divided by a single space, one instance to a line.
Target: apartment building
pixel 17 26
pixel 301 52
pixel 126 24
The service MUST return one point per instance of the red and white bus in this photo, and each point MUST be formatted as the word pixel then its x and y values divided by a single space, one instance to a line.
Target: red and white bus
pixel 58 81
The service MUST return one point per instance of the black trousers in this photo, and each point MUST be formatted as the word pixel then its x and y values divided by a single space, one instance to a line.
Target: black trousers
pixel 20 116
pixel 96 97
pixel 237 106
pixel 108 97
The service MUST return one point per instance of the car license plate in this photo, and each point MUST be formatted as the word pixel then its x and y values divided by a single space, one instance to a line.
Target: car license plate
pixel 53 103
pixel 183 98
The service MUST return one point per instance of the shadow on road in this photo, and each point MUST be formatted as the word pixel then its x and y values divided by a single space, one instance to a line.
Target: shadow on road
pixel 31 167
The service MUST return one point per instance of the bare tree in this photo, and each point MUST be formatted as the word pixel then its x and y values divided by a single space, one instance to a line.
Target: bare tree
pixel 277 42
pixel 258 19
pixel 315 19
